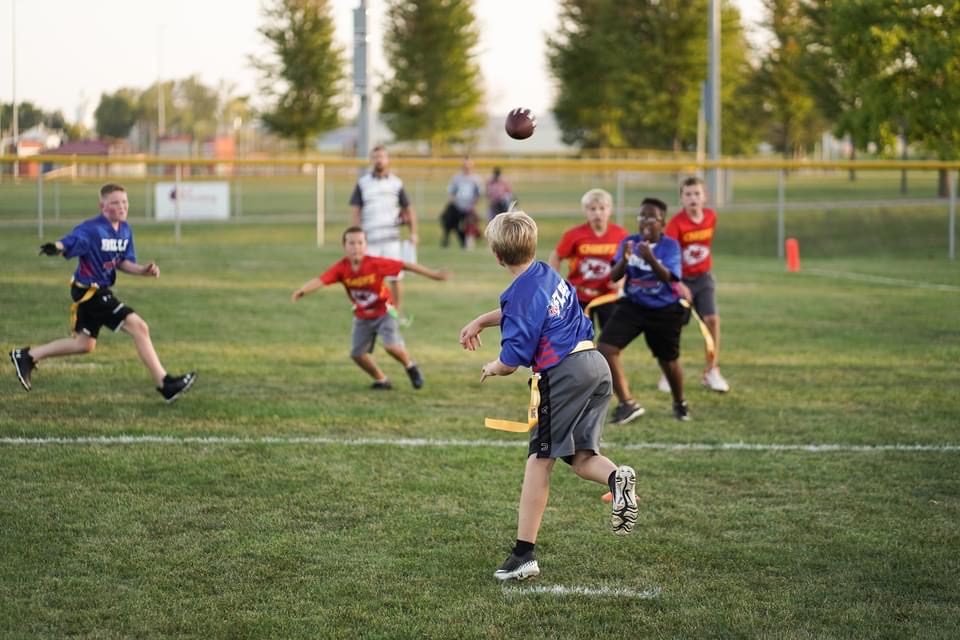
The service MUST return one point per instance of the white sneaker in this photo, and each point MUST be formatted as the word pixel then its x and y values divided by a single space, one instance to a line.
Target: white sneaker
pixel 714 381
pixel 624 514
pixel 663 385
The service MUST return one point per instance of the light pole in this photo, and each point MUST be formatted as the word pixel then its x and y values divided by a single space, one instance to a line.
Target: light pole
pixel 161 103
pixel 13 57
pixel 713 102
pixel 361 71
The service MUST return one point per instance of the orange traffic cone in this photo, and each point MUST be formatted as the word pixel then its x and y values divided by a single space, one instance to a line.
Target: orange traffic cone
pixel 793 255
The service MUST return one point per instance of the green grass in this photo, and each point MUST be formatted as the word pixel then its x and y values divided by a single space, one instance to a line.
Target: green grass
pixel 341 540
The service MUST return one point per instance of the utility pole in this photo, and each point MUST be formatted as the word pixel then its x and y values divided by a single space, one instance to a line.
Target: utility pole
pixel 713 101
pixel 361 73
pixel 16 118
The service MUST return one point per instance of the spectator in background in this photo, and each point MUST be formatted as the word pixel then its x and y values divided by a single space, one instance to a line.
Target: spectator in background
pixel 499 195
pixel 464 190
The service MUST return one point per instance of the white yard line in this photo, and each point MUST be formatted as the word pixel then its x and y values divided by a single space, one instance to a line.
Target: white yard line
pixel 898 282
pixel 602 592
pixel 455 443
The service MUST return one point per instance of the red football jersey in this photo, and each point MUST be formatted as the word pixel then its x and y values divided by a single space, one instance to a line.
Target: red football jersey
pixel 695 240
pixel 590 257
pixel 365 286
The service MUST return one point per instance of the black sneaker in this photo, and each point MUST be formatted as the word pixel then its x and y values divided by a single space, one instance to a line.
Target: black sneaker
pixel 681 411
pixel 416 379
pixel 23 363
pixel 624 514
pixel 174 387
pixel 380 385
pixel 518 567
pixel 627 411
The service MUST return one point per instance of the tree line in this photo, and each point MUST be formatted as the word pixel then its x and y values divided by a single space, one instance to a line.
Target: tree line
pixel 882 74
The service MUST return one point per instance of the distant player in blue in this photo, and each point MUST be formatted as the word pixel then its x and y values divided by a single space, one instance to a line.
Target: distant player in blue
pixel 650 305
pixel 543 327
pixel 102 245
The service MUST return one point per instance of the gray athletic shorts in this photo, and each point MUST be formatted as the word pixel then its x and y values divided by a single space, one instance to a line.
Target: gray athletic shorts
pixel 365 334
pixel 573 406
pixel 704 292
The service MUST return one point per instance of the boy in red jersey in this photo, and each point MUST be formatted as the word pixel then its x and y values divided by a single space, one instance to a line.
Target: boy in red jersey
pixel 694 227
pixel 363 278
pixel 590 248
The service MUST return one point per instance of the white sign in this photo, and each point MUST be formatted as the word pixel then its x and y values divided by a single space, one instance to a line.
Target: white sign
pixel 198 200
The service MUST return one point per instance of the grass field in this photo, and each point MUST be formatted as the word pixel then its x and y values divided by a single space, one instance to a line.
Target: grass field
pixel 282 498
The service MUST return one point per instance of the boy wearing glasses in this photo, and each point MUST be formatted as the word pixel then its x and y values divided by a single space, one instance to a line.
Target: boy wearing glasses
pixel 650 262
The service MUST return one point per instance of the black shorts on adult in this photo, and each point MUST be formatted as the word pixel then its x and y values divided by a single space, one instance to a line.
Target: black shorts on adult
pixel 660 328
pixel 102 309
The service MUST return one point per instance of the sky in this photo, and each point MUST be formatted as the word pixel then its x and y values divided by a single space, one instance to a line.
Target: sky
pixel 65 53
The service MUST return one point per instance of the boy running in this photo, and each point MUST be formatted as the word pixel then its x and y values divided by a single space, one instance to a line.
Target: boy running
pixel 590 248
pixel 694 227
pixel 543 327
pixel 363 278
pixel 102 245
pixel 650 305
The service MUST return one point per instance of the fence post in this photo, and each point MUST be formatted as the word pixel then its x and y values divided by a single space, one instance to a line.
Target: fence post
pixel 40 203
pixel 56 201
pixel 781 226
pixel 176 202
pixel 321 208
pixel 952 233
pixel 620 196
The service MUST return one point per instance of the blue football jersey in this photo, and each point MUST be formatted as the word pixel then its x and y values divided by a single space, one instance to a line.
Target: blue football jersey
pixel 641 284
pixel 541 319
pixel 99 249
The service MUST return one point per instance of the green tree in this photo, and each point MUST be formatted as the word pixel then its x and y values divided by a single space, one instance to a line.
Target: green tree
pixel 116 113
pixel 305 79
pixel 794 122
pixel 436 90
pixel 28 115
pixel 630 73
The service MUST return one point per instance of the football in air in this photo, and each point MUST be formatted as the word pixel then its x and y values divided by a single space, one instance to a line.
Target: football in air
pixel 520 123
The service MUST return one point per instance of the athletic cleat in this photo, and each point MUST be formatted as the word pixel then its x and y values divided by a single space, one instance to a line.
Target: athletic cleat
pixel 381 385
pixel 24 364
pixel 624 514
pixel 663 384
pixel 174 387
pixel 416 379
pixel 627 411
pixel 518 567
pixel 714 381
pixel 681 411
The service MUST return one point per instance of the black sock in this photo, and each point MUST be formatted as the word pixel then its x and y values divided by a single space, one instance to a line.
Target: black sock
pixel 612 481
pixel 522 547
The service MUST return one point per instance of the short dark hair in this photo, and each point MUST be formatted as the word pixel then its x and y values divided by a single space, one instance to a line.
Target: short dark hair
pixel 354 229
pixel 109 188
pixel 692 181
pixel 656 202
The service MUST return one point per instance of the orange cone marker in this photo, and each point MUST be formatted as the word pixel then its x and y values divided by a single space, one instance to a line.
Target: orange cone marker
pixel 793 255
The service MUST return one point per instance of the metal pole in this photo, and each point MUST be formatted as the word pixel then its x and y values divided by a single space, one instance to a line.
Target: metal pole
pixel 713 101
pixel 321 210
pixel 40 204
pixel 781 205
pixel 952 233
pixel 361 71
pixel 56 201
pixel 176 203
pixel 620 197
pixel 13 64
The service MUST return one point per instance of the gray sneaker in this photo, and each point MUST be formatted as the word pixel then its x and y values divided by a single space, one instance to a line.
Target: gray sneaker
pixel 518 568
pixel 627 411
pixel 624 514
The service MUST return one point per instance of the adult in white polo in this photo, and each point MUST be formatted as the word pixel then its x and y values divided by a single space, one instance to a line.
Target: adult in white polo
pixel 380 206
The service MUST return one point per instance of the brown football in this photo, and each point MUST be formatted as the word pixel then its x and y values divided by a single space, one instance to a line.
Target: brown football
pixel 520 123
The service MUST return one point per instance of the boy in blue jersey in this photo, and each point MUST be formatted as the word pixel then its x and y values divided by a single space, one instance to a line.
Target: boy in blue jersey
pixel 650 305
pixel 543 327
pixel 102 245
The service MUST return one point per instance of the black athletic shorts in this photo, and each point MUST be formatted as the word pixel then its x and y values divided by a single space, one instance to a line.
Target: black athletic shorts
pixel 660 328
pixel 103 309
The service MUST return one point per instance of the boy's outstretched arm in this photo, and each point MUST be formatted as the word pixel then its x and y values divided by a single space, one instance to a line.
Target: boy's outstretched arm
pixel 308 287
pixel 441 274
pixel 470 334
